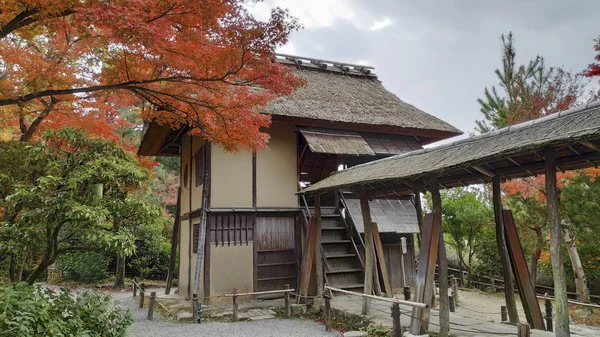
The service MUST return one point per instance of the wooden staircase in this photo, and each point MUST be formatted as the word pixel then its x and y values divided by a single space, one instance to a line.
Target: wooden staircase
pixel 342 263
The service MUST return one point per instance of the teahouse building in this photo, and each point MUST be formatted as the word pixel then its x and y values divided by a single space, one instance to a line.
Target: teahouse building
pixel 256 223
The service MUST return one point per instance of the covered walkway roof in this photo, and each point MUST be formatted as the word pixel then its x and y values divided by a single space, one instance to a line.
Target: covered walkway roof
pixel 512 152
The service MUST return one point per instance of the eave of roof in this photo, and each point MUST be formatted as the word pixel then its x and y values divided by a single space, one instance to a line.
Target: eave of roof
pixel 510 152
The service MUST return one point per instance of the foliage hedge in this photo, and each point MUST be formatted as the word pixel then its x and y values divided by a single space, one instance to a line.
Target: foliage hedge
pixel 83 266
pixel 36 311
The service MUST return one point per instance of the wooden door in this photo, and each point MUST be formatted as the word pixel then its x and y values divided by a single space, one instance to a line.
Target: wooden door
pixel 275 253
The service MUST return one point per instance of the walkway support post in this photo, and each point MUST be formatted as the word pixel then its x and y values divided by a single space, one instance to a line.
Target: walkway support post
pixel 548 305
pixel 557 254
pixel 318 254
pixel 134 287
pixel 369 249
pixel 509 292
pixel 442 261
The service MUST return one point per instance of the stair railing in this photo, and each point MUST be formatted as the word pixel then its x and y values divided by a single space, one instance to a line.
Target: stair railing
pixel 349 224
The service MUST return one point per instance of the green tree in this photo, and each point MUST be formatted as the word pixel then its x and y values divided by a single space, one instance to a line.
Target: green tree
pixel 464 215
pixel 55 209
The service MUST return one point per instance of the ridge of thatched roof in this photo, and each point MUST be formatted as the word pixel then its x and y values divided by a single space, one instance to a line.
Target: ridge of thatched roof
pixel 350 94
pixel 567 127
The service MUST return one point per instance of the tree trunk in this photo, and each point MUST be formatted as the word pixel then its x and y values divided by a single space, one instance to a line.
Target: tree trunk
pixel 442 263
pixel 12 269
pixel 561 306
pixel 535 257
pixel 41 268
pixel 120 272
pixel 583 293
pixel 509 292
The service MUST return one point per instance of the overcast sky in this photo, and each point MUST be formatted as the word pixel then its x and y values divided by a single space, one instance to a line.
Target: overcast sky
pixel 440 55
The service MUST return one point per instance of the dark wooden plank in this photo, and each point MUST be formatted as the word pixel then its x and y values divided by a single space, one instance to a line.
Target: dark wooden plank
pixel 381 259
pixel 530 303
pixel 509 293
pixel 308 256
pixel 426 270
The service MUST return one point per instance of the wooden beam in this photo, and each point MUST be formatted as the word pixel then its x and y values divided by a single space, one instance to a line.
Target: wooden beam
pixel 591 145
pixel 484 170
pixel 530 303
pixel 318 248
pixel 381 260
pixel 556 248
pixel 444 313
pixel 254 179
pixel 202 227
pixel 425 272
pixel 509 293
pixel 174 240
pixel 308 256
pixel 369 251
pixel 419 209
pixel 207 166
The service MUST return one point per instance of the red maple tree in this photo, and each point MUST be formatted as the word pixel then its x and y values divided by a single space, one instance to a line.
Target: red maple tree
pixel 207 64
pixel 594 68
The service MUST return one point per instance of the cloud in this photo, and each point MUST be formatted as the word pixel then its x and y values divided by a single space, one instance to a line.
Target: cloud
pixel 377 25
pixel 440 55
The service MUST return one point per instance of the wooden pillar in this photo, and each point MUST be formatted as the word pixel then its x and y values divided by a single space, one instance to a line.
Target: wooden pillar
pixel 419 209
pixel 557 257
pixel 509 292
pixel 369 249
pixel 174 240
pixel 442 261
pixel 202 226
pixel 318 253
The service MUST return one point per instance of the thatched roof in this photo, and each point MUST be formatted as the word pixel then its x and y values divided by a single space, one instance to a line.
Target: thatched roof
pixel 391 216
pixel 352 97
pixel 333 141
pixel 509 152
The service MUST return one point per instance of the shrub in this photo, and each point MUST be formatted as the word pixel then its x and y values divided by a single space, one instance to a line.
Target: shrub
pixel 36 311
pixel 83 266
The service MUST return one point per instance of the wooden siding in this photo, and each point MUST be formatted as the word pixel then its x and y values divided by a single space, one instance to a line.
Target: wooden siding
pixel 275 253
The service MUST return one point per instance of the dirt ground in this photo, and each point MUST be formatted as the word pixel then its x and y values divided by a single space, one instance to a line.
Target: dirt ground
pixel 486 307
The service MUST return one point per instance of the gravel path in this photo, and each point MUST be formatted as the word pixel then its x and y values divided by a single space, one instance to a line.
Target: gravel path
pixel 271 327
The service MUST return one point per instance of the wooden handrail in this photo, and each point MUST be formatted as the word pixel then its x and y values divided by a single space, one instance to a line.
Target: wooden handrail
pixel 261 292
pixel 378 298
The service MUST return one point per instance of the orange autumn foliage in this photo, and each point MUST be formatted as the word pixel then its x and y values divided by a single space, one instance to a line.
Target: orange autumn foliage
pixel 534 187
pixel 206 64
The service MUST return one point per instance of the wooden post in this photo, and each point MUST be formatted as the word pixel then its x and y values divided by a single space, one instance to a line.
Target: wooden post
pixel 328 311
pixel 369 251
pixel 442 261
pixel 425 273
pixel 174 241
pixel 318 247
pixel 235 309
pixel 396 328
pixel 403 250
pixel 407 293
pixel 503 313
pixel 455 290
pixel 134 287
pixel 203 222
pixel 151 305
pixel 194 308
pixel 419 209
pixel 493 282
pixel 142 293
pixel 548 305
pixel 451 304
pixel 381 259
pixel 556 252
pixel 509 292
pixel 523 330
pixel 288 309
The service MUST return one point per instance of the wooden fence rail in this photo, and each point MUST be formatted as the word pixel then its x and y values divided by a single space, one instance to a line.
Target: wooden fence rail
pixel 287 292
